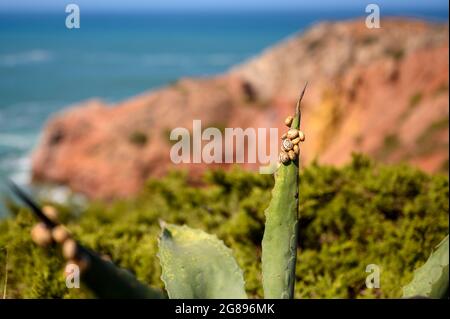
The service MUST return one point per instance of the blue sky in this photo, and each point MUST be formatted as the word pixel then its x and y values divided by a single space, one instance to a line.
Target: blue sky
pixel 134 5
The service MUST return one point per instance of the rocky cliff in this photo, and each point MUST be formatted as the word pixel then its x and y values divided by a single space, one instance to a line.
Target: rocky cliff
pixel 382 91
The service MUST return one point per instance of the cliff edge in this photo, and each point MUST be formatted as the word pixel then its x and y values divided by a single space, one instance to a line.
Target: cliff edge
pixel 383 92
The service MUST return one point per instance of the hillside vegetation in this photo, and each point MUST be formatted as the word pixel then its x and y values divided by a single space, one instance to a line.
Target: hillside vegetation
pixel 360 214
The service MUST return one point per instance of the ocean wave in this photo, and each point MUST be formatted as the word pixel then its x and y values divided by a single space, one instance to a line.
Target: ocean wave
pixel 28 57
pixel 187 60
pixel 18 141
pixel 17 168
pixel 21 172
pixel 166 59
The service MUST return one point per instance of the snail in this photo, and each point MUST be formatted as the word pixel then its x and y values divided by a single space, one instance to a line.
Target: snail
pixel 292 133
pixel 60 234
pixel 296 140
pixel 301 135
pixel 287 145
pixel 292 155
pixel 288 121
pixel 284 158
pixel 299 138
pixel 70 249
pixel 290 140
pixel 50 212
pixel 41 235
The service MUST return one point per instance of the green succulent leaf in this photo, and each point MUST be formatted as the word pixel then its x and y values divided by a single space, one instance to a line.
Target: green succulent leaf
pixel 279 245
pixel 107 281
pixel 198 265
pixel 431 279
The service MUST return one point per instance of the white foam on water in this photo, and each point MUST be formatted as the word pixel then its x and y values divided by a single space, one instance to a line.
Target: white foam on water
pixel 189 60
pixel 17 141
pixel 22 173
pixel 19 58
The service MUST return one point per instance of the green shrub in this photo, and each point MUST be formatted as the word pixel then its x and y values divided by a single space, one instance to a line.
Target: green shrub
pixel 353 216
pixel 415 99
pixel 138 138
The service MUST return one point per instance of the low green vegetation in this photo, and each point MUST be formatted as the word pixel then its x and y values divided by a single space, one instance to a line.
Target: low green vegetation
pixel 350 217
pixel 415 99
pixel 391 143
pixel 442 89
pixel 138 138
pixel 396 53
pixel 432 133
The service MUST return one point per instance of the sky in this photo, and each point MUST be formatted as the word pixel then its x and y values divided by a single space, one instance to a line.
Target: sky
pixel 172 5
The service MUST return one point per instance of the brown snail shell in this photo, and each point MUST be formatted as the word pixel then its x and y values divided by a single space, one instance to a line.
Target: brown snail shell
pixel 288 121
pixel 284 136
pixel 70 249
pixel 301 135
pixel 292 133
pixel 41 235
pixel 296 140
pixel 60 234
pixel 284 158
pixel 287 145
pixel 292 155
pixel 50 212
pixel 296 149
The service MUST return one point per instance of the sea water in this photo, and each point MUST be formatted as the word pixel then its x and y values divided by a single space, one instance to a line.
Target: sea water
pixel 45 67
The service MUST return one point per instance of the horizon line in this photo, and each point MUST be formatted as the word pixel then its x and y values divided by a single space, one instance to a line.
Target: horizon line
pixel 345 8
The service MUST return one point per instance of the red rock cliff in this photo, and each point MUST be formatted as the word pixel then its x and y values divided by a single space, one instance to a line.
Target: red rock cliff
pixel 383 92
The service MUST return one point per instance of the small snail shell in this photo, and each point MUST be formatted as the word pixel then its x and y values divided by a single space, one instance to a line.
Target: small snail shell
pixel 296 140
pixel 288 121
pixel 283 136
pixel 284 157
pixel 106 257
pixel 70 249
pixel 60 234
pixel 287 144
pixel 41 235
pixel 296 149
pixel 50 212
pixel 291 155
pixel 292 133
pixel 301 135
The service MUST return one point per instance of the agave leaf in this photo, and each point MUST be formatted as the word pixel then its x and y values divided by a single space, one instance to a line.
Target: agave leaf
pixel 198 265
pixel 279 245
pixel 431 279
pixel 108 281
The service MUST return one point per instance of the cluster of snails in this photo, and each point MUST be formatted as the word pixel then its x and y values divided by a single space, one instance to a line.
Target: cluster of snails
pixel 290 143
pixel 44 236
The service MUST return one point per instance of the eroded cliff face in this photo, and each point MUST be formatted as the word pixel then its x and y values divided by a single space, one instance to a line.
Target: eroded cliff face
pixel 383 92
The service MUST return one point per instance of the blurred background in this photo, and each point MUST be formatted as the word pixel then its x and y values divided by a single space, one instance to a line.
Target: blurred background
pixel 86 114
pixel 126 48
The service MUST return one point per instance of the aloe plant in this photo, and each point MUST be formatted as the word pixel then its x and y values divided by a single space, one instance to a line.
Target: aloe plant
pixel 199 265
pixel 106 280
pixel 431 279
pixel 279 245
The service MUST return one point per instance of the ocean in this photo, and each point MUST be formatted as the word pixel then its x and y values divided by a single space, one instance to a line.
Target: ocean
pixel 45 67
